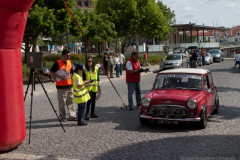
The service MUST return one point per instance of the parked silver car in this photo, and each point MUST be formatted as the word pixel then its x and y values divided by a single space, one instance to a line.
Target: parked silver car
pixel 208 58
pixel 174 61
pixel 217 55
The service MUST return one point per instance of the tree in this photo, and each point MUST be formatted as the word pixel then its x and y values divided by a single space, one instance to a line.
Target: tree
pixel 99 29
pixel 135 17
pixel 47 18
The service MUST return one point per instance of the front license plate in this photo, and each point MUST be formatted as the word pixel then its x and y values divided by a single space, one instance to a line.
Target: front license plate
pixel 167 122
pixel 167 66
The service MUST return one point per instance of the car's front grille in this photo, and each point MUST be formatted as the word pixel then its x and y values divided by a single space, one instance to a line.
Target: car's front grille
pixel 166 110
pixel 168 63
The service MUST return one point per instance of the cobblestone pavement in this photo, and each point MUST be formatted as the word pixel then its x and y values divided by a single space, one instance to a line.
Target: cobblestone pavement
pixel 117 134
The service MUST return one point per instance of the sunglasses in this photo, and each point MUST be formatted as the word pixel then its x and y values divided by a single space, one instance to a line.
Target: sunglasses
pixel 89 61
pixel 67 55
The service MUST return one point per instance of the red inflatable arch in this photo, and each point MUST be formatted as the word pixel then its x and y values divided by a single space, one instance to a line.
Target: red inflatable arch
pixel 13 17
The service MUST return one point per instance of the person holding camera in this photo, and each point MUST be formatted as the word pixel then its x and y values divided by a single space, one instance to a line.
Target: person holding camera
pixel 64 86
pixel 91 74
pixel 133 70
pixel 80 93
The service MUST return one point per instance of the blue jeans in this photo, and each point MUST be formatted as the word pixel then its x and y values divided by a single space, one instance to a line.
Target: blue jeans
pixel 131 88
pixel 190 63
pixel 121 68
pixel 203 60
pixel 81 112
pixel 117 69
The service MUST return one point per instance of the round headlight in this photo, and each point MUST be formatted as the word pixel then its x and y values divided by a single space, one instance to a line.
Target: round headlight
pixel 192 103
pixel 146 102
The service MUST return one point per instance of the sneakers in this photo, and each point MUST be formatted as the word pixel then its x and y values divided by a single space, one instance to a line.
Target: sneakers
pixel 63 120
pixel 94 116
pixel 138 105
pixel 130 108
pixel 82 124
pixel 86 117
pixel 73 119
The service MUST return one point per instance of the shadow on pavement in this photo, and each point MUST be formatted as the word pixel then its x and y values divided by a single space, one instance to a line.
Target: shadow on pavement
pixel 180 148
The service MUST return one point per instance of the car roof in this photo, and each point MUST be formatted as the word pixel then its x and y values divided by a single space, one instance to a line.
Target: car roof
pixel 187 70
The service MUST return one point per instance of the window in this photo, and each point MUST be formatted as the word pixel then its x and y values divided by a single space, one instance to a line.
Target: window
pixel 210 79
pixel 238 33
pixel 206 84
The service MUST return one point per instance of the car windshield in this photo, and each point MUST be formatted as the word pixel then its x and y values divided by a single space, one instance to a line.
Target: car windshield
pixel 213 52
pixel 173 57
pixel 178 81
pixel 178 50
pixel 207 54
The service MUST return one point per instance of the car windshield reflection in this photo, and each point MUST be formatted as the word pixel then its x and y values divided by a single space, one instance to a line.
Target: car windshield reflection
pixel 178 81
pixel 173 57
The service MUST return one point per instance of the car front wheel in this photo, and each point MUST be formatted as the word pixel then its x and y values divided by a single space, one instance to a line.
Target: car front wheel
pixel 203 123
pixel 216 107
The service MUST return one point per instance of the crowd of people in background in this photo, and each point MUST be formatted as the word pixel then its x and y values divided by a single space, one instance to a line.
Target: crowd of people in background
pixel 193 55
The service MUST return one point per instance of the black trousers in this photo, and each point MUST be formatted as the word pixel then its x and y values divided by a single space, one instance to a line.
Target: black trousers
pixel 91 102
pixel 47 75
pixel 106 68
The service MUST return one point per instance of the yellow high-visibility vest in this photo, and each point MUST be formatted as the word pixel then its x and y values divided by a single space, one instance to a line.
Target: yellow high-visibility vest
pixel 92 76
pixel 80 95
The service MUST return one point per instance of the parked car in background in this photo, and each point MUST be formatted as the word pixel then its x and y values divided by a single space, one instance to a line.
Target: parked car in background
pixel 174 61
pixel 199 58
pixel 179 50
pixel 208 58
pixel 180 95
pixel 217 55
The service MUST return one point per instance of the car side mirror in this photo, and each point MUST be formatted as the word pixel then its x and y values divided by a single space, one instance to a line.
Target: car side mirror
pixel 209 91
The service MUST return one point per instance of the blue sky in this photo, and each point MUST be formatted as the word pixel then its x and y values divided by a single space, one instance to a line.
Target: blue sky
pixel 210 12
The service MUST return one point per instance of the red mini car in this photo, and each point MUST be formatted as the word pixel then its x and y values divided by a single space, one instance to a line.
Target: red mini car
pixel 180 95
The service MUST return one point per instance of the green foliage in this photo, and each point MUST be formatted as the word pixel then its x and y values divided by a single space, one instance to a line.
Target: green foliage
pixel 99 29
pixel 136 17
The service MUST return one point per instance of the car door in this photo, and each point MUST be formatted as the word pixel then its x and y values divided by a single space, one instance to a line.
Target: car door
pixel 213 91
pixel 208 95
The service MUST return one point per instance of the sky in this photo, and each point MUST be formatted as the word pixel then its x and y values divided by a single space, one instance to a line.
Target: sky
pixel 210 12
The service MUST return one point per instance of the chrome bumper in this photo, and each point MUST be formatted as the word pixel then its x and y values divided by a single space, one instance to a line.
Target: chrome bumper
pixel 171 119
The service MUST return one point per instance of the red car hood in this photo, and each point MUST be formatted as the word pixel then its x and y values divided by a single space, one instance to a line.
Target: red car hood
pixel 174 97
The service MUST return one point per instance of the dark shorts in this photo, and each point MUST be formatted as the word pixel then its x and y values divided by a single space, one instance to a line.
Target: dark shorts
pixel 237 62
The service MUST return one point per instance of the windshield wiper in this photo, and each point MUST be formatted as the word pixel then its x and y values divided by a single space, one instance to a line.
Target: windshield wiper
pixel 195 89
pixel 182 88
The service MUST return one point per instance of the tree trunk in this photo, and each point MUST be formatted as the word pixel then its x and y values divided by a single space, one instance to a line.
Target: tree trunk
pixel 27 48
pixel 99 49
pixel 35 39
pixel 123 46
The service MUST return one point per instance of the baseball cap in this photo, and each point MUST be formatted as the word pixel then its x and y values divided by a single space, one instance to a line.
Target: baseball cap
pixel 81 67
pixel 117 54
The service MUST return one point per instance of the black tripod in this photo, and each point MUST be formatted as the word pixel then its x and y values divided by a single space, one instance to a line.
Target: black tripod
pixel 31 79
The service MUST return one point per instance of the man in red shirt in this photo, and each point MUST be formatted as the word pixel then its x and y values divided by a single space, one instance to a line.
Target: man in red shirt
pixel 133 69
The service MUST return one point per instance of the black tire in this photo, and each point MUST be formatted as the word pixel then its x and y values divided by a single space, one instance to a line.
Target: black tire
pixel 144 121
pixel 216 110
pixel 203 123
pixel 222 59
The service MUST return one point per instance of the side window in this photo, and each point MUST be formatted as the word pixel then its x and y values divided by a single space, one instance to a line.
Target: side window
pixel 210 79
pixel 206 84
